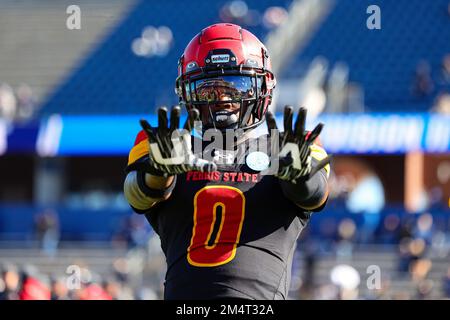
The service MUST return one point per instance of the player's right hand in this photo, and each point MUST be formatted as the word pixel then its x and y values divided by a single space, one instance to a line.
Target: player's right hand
pixel 170 148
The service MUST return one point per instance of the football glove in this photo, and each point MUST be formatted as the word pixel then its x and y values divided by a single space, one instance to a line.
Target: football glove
pixel 294 152
pixel 170 149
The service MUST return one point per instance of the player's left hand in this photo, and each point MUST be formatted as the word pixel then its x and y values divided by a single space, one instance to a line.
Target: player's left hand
pixel 294 158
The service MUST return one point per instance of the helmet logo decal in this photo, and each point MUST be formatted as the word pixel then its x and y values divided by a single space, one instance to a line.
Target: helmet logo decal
pixel 251 62
pixel 191 65
pixel 220 58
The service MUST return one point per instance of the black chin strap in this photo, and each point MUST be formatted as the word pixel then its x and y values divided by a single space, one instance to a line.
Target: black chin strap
pixel 232 121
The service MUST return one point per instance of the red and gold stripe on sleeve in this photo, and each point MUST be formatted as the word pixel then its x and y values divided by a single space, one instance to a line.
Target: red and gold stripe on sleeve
pixel 140 148
pixel 319 153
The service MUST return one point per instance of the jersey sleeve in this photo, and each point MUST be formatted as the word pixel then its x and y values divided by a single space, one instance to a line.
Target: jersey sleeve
pixel 138 152
pixel 318 153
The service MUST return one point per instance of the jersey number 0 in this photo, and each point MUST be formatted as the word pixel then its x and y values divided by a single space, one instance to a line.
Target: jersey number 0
pixel 214 241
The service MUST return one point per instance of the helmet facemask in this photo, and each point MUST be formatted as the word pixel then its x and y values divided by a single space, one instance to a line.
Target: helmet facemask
pixel 227 100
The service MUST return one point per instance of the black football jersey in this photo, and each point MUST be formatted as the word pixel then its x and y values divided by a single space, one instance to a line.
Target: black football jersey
pixel 227 234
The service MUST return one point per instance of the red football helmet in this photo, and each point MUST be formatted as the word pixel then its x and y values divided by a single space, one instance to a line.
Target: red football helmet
pixel 225 72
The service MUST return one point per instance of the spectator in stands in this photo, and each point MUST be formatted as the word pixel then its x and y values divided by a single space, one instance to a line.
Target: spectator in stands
pixel 424 228
pixel 237 12
pixel 35 286
pixel 121 270
pixel 147 293
pixel 407 251
pixel 94 291
pixel 328 233
pixel 424 289
pixel 445 73
pixel 91 287
pixel 327 292
pixel 411 251
pixel 423 84
pixel 347 279
pixel 442 103
pixel 134 232
pixel 367 199
pixel 446 284
pixel 26 104
pixel 112 288
pixel 389 230
pixel 8 103
pixel 346 234
pixel 9 283
pixel 309 270
pixel 420 268
pixel 404 255
pixel 117 290
pixel 380 293
pixel 363 193
pixel 59 290
pixel 274 17
pixel 47 230
pixel 401 295
pixel 406 228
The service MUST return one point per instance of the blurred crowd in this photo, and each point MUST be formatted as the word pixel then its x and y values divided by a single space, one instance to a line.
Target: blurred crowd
pixel 17 104
pixel 239 12
pixel 411 251
pixel 119 278
pixel 54 273
pixel 414 253
pixel 78 283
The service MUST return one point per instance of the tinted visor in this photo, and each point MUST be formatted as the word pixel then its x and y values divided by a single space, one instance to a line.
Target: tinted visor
pixel 223 88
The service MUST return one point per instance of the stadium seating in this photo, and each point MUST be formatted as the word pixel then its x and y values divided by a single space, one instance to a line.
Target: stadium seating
pixel 383 61
pixel 114 80
pixel 17 222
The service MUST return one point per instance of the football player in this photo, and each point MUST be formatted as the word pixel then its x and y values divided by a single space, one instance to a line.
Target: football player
pixel 228 228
